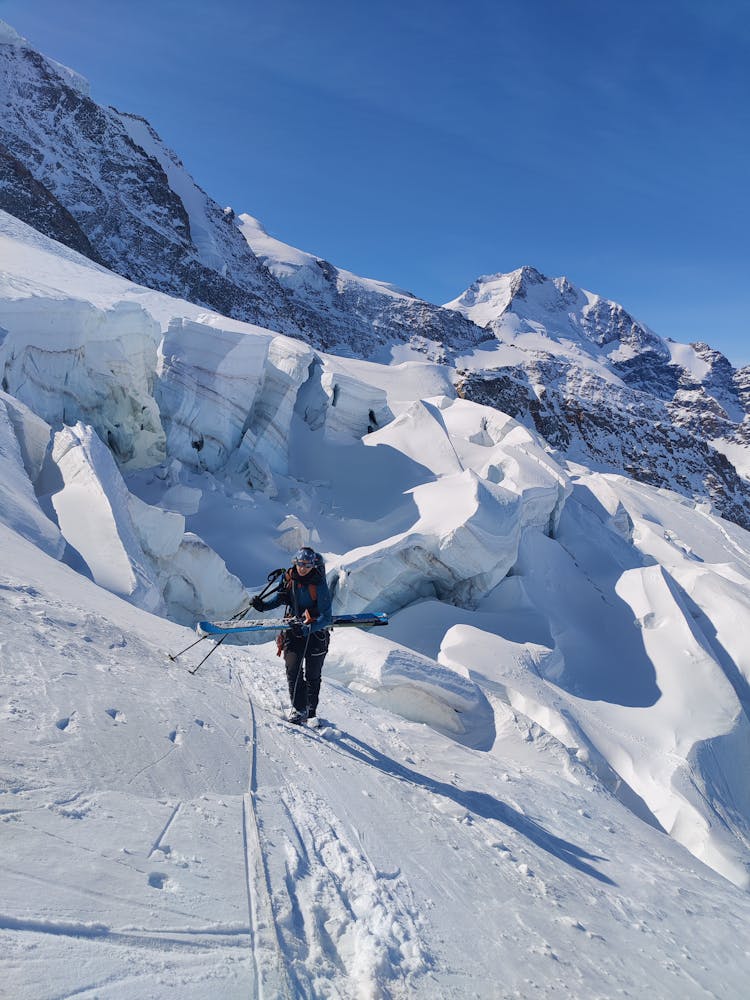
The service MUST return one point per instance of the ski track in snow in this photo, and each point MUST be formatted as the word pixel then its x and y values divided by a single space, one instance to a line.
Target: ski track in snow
pixel 44 813
pixel 339 915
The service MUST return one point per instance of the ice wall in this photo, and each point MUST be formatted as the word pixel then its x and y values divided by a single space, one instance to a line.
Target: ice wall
pixel 462 544
pixel 228 399
pixel 92 511
pixel 344 406
pixel 208 382
pixel 264 449
pixel 69 361
pixel 23 441
pixel 133 549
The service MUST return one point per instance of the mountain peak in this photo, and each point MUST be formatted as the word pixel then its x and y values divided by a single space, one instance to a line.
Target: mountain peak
pixel 524 278
pixel 9 36
pixel 527 302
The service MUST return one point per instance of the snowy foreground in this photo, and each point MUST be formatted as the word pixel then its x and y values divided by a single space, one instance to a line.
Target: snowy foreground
pixel 532 784
pixel 168 835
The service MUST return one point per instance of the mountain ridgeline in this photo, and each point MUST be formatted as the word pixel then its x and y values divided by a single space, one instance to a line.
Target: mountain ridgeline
pixel 598 385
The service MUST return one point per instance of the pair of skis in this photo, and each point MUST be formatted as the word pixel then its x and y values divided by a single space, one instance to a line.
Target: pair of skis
pixel 236 626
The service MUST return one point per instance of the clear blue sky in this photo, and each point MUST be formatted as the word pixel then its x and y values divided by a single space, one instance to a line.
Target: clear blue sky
pixel 426 143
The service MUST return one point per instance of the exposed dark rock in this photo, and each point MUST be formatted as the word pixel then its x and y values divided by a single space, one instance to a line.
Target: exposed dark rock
pixel 612 428
pixel 650 372
pixel 29 200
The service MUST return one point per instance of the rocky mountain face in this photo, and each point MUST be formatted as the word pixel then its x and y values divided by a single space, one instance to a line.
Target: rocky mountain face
pixel 84 159
pixel 614 428
pixel 102 181
pixel 362 316
pixel 23 196
pixel 605 390
pixel 598 384
pixel 741 382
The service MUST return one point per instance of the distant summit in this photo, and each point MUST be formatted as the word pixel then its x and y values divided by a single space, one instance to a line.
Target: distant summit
pixel 526 301
pixel 606 390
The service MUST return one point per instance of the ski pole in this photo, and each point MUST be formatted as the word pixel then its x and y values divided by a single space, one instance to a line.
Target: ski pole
pixel 272 578
pixel 173 656
pixel 194 670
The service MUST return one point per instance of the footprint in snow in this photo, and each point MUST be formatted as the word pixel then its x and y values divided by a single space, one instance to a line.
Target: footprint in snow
pixel 116 714
pixel 503 850
pixel 572 923
pixel 68 724
pixel 158 880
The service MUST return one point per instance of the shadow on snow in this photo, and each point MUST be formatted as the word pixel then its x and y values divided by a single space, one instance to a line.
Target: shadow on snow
pixel 479 803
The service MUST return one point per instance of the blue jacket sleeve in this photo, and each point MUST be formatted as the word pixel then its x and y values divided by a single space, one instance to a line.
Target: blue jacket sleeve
pixel 276 600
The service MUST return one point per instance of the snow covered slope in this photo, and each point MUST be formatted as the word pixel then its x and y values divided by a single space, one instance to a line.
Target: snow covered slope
pixel 527 306
pixel 164 834
pixel 357 316
pixel 265 445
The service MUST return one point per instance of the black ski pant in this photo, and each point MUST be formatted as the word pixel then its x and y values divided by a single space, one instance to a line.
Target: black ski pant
pixel 303 659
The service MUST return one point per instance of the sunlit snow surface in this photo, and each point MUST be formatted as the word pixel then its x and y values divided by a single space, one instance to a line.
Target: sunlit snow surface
pixel 511 779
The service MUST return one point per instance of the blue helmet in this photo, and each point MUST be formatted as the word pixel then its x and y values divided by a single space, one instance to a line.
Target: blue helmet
pixel 306 557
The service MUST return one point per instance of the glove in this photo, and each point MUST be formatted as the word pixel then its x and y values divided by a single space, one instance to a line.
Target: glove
pixel 257 603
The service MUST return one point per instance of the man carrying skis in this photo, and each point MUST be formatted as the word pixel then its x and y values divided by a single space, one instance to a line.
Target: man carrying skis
pixel 305 593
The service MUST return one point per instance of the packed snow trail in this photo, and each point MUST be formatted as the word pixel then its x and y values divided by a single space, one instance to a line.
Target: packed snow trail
pixel 336 911
pixel 163 832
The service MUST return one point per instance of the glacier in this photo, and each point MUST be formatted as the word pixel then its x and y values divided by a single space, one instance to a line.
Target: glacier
pixel 257 443
pixel 532 782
